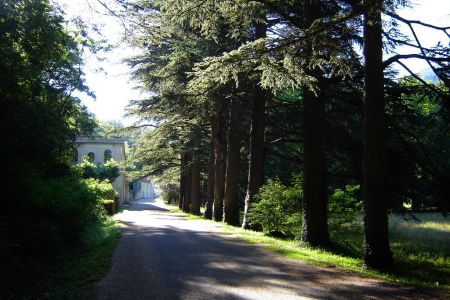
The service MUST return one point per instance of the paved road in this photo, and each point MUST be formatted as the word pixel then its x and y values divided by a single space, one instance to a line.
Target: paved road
pixel 164 256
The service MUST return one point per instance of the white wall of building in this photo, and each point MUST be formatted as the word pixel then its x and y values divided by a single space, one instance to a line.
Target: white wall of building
pixel 143 189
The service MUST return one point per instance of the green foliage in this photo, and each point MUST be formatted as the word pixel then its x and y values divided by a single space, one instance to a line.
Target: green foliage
pixel 56 210
pixel 235 65
pixel 170 193
pixel 40 63
pixel 107 128
pixel 418 144
pixel 344 206
pixel 278 209
pixel 107 171
pixel 102 189
pixel 276 57
pixel 51 220
pixel 46 206
pixel 169 52
pixel 100 177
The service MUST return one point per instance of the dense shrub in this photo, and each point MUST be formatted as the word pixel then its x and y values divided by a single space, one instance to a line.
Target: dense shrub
pixel 105 192
pixel 107 171
pixel 53 213
pixel 48 222
pixel 100 177
pixel 170 193
pixel 278 208
pixel 344 205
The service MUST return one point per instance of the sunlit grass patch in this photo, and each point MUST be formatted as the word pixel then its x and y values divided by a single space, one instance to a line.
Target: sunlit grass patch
pixel 428 233
pixel 296 250
pixel 177 210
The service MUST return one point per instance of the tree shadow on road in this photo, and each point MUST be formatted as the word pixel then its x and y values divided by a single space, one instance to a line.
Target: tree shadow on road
pixel 169 262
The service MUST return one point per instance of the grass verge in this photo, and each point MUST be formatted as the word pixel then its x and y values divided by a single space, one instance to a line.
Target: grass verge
pixel 423 269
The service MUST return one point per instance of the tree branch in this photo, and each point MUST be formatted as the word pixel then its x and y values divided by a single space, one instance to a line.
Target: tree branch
pixel 397 57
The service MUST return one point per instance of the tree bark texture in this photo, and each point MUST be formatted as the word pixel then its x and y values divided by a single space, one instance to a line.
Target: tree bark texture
pixel 188 181
pixel 220 155
pixel 231 199
pixel 377 252
pixel 256 161
pixel 195 188
pixel 211 171
pixel 182 183
pixel 315 219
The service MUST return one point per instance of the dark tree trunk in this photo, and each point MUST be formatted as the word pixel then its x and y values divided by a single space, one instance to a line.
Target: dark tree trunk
pixel 195 188
pixel 444 190
pixel 211 171
pixel 256 162
pixel 415 204
pixel 377 253
pixel 231 199
pixel 220 155
pixel 182 183
pixel 315 225
pixel 187 180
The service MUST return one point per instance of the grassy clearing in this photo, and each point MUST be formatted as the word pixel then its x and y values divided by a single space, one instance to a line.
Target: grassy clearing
pixel 70 274
pixel 421 249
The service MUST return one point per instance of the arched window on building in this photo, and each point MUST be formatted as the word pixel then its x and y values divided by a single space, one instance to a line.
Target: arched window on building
pixel 108 155
pixel 75 156
pixel 91 156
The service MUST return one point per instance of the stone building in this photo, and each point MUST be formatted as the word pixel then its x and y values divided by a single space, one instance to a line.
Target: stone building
pixel 100 150
pixel 142 189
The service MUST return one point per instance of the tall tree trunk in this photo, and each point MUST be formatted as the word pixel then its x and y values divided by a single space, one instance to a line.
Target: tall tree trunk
pixel 188 180
pixel 377 252
pixel 231 199
pixel 315 225
pixel 256 162
pixel 195 188
pixel 182 183
pixel 220 155
pixel 211 171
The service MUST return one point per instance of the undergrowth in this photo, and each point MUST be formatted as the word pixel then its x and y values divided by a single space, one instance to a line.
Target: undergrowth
pixel 70 274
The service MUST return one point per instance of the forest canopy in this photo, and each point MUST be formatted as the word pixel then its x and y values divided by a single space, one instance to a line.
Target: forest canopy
pixel 247 92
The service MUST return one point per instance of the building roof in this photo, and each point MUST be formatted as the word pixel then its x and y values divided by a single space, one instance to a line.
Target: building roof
pixel 98 140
